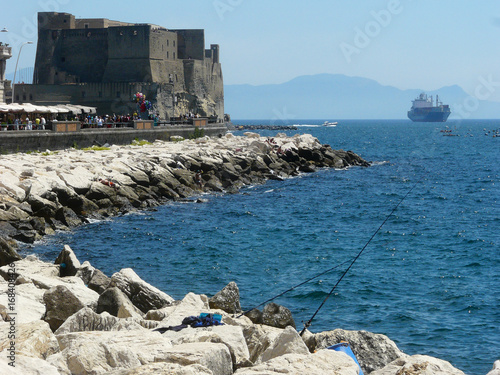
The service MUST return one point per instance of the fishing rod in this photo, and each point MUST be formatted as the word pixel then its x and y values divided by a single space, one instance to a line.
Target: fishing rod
pixel 294 287
pixel 309 322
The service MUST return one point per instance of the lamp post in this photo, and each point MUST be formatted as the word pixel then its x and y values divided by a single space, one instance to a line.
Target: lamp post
pixel 15 70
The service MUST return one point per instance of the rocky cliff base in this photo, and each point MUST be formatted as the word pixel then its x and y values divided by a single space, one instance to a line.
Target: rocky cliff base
pixel 70 318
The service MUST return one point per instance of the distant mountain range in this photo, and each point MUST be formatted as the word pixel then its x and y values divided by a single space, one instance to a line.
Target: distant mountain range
pixel 336 96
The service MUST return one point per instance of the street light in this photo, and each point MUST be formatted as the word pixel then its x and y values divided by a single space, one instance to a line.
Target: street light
pixel 15 70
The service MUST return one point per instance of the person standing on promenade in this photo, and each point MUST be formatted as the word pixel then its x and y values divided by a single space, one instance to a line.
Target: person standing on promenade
pixel 43 122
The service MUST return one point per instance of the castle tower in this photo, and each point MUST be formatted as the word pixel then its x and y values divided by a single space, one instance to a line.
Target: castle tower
pixel 5 54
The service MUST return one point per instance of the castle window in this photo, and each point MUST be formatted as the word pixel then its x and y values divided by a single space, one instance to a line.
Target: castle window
pixel 63 59
pixel 31 96
pixel 118 94
pixel 24 97
pixel 167 42
pixel 17 98
pixel 174 55
pixel 174 43
pixel 86 25
pixel 100 94
pixel 84 94
pixel 167 54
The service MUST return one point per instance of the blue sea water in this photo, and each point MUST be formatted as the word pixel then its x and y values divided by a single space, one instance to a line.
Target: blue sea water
pixel 429 279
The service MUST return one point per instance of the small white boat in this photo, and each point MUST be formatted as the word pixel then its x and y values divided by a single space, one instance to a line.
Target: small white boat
pixel 327 123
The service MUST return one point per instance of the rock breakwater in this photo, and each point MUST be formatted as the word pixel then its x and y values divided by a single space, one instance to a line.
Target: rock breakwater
pixel 44 192
pixel 87 323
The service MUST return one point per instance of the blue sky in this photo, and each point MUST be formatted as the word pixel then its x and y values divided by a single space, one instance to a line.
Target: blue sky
pixel 423 44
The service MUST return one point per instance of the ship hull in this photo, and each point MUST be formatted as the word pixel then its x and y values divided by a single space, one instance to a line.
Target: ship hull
pixel 428 115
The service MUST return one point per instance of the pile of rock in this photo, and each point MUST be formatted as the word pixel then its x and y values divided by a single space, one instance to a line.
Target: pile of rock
pixel 44 192
pixel 86 323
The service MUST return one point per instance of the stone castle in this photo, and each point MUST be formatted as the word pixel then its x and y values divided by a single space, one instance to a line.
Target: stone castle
pixel 103 63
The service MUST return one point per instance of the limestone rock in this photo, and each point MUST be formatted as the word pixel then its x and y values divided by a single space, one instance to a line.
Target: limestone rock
pixel 322 362
pixel 29 304
pixel 228 299
pixel 373 351
pixel 275 315
pixel 85 272
pixel 215 357
pixel 259 338
pixel 87 320
pixel 418 365
pixel 99 352
pixel 60 303
pixel 27 365
pixel 143 295
pixel 231 336
pixel 288 342
pixel 496 369
pixel 68 217
pixel 99 281
pixel 31 266
pixel 34 339
pixel 115 302
pixel 68 262
pixel 191 305
pixel 7 253
pixel 162 368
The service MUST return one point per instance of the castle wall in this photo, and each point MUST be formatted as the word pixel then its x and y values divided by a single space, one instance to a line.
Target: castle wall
pixel 128 54
pixel 191 44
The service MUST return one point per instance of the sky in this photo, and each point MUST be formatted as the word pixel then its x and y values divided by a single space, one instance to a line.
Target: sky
pixel 408 44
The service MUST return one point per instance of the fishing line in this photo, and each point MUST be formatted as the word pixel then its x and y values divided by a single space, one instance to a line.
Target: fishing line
pixel 308 323
pixel 294 287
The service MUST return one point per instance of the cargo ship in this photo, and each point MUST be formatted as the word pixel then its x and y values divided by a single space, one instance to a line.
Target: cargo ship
pixel 424 110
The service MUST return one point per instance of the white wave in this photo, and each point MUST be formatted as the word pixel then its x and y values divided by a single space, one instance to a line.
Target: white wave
pixel 374 163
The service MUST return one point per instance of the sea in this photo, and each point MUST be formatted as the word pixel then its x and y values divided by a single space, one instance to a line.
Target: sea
pixel 424 220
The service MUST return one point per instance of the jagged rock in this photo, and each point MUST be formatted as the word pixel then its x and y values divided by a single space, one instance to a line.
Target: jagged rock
pixel 143 295
pixel 228 299
pixel 98 352
pixel 29 301
pixel 34 339
pixel 164 368
pixel 85 320
pixel 322 362
pixel 231 336
pixel 255 315
pixel 6 229
pixel 373 351
pixel 288 342
pixel 85 272
pixel 191 305
pixel 418 365
pixel 99 281
pixel 115 302
pixel 31 266
pixel 275 315
pixel 27 365
pixel 60 304
pixel 68 262
pixel 7 253
pixel 68 217
pixel 496 369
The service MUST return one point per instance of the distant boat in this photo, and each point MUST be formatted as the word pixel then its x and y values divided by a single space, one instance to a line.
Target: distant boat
pixel 327 123
pixel 424 110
